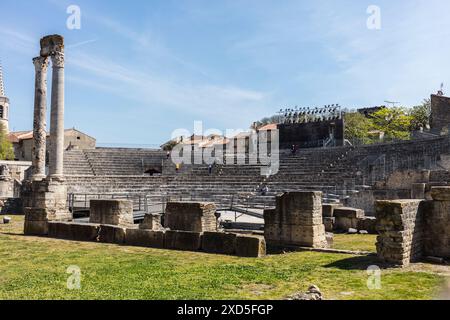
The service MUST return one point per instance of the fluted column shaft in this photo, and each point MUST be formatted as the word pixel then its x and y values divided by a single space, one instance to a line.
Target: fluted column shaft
pixel 57 117
pixel 39 121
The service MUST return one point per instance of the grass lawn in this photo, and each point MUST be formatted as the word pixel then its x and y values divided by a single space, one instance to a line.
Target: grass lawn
pixel 35 268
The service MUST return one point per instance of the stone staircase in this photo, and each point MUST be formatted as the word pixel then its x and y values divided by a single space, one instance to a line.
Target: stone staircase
pixel 335 171
pixel 112 161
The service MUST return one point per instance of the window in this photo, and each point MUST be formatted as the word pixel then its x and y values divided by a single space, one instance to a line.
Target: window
pixel 1 112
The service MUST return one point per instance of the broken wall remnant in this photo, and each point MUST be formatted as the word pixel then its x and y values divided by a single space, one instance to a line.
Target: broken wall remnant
pixel 437 223
pixel 297 220
pixel 399 224
pixel 410 230
pixel 151 222
pixel 347 218
pixel 191 216
pixel 112 212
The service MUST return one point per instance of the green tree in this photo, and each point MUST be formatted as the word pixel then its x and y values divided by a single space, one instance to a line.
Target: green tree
pixel 394 122
pixel 357 126
pixel 421 115
pixel 6 147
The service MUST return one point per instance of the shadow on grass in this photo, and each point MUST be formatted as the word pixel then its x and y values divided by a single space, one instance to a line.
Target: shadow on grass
pixel 357 263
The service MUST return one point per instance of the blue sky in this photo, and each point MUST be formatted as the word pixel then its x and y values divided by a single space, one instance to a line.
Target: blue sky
pixel 137 70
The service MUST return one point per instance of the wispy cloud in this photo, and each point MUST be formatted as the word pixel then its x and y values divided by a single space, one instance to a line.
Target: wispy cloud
pixel 203 99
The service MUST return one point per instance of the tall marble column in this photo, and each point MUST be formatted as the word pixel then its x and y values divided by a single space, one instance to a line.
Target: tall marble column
pixel 39 122
pixel 57 117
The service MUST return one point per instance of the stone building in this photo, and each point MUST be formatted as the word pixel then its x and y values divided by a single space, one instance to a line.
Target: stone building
pixel 440 115
pixel 4 104
pixel 73 139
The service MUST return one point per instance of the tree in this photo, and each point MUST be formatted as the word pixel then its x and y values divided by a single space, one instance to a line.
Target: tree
pixel 357 126
pixel 394 122
pixel 6 147
pixel 421 115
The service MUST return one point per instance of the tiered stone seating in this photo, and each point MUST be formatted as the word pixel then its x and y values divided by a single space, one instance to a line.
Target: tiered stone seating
pixel 112 161
pixel 332 170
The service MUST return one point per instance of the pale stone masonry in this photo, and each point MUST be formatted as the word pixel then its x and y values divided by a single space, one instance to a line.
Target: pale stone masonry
pixel 191 216
pixel 296 221
pixel 57 116
pixel 39 122
pixel 410 230
pixel 45 197
pixel 399 224
pixel 112 212
pixel 437 224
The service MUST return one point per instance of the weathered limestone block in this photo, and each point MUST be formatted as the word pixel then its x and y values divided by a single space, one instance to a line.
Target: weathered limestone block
pixel 219 242
pixel 440 193
pixel 369 224
pixel 191 216
pixel 250 246
pixel 329 223
pixel 347 218
pixel 151 222
pixel 111 234
pixel 112 212
pixel 46 201
pixel 144 238
pixel 418 191
pixel 400 228
pixel 73 231
pixel 437 229
pixel 183 240
pixel 59 230
pixel 297 220
pixel 36 228
pixel 84 231
pixel 328 209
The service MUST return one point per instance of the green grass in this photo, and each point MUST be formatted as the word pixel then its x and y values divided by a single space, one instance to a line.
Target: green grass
pixel 35 268
pixel 355 242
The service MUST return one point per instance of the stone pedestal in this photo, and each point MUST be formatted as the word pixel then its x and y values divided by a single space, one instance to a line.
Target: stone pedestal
pixel 46 201
pixel 151 222
pixel 112 212
pixel 191 216
pixel 400 228
pixel 296 221
pixel 437 224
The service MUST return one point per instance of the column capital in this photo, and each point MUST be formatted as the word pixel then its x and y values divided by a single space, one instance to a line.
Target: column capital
pixel 41 63
pixel 58 59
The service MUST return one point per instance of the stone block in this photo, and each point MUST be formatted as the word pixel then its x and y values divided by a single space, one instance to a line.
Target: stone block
pixel 111 234
pixel 84 231
pixel 309 236
pixel 368 224
pixel 219 242
pixel 348 213
pixel 35 228
pixel 151 222
pixel 191 216
pixel 328 209
pixel 250 246
pixel 418 190
pixel 347 218
pixel 112 212
pixel 144 238
pixel 35 214
pixel 183 240
pixel 59 230
pixel 329 223
pixel 440 193
pixel 400 227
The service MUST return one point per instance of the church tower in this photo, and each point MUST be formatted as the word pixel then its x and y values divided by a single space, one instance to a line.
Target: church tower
pixel 4 104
